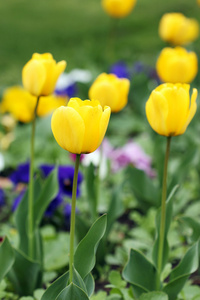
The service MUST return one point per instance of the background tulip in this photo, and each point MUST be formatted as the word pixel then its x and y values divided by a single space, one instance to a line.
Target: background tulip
pixel 21 104
pixel 40 74
pixel 80 126
pixel 118 8
pixel 177 65
pixel 169 109
pixel 175 28
pixel 110 90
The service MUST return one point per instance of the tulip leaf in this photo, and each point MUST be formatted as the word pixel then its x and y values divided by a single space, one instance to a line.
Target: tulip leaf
pixel 72 292
pixel 77 280
pixel 194 225
pixel 21 218
pixel 84 258
pixel 91 190
pixel 140 273
pixel 42 197
pixel 179 275
pixel 169 211
pixel 25 274
pixel 6 257
pixel 56 287
pixel 115 210
pixel 90 284
pixel 154 296
pixel 143 187
pixel 48 192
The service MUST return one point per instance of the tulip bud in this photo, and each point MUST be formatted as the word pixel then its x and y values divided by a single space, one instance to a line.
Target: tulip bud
pixel 177 65
pixel 118 8
pixel 40 74
pixel 169 108
pixel 175 28
pixel 80 126
pixel 110 90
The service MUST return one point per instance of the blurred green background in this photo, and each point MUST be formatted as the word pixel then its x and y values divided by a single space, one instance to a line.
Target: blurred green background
pixel 81 33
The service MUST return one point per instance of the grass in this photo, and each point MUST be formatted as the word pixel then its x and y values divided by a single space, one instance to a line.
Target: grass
pixel 80 32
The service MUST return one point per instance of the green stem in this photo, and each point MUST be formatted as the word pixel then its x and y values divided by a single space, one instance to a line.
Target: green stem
pixel 72 222
pixel 98 182
pixel 31 192
pixel 163 213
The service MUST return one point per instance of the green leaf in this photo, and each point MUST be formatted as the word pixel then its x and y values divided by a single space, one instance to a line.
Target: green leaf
pixel 116 280
pixel 180 274
pixel 91 191
pixel 42 197
pixel 90 284
pixel 140 273
pixel 6 257
pixel 21 218
pixel 56 251
pixel 143 187
pixel 77 280
pixel 84 258
pixel 194 225
pixel 47 194
pixel 72 292
pixel 169 212
pixel 24 274
pixel 115 210
pixel 154 296
pixel 56 287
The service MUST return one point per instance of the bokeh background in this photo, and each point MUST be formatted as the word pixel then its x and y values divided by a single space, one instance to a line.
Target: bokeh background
pixel 81 33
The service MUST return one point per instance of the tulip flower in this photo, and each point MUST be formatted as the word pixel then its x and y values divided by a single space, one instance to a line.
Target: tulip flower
pixel 21 104
pixel 177 65
pixel 80 126
pixel 110 90
pixel 118 8
pixel 169 108
pixel 40 74
pixel 175 28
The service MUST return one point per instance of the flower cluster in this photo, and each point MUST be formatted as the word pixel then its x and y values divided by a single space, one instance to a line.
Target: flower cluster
pixel 177 29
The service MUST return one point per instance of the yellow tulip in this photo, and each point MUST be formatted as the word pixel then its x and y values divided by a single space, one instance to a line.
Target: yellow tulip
pixel 21 104
pixel 175 28
pixel 169 108
pixel 80 126
pixel 110 90
pixel 118 8
pixel 48 104
pixel 40 74
pixel 198 2
pixel 177 65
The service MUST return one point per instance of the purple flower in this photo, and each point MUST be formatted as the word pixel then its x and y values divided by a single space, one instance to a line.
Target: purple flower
pixel 67 211
pixel 120 70
pixel 21 174
pixel 17 200
pixel 65 178
pixel 55 203
pixel 2 197
pixel 69 91
pixel 138 67
pixel 131 153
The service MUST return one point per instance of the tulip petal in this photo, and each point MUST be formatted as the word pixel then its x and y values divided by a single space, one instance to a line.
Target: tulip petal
pixel 68 129
pixel 104 124
pixel 91 116
pixel 192 111
pixel 105 93
pixel 157 111
pixel 178 105
pixel 33 77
